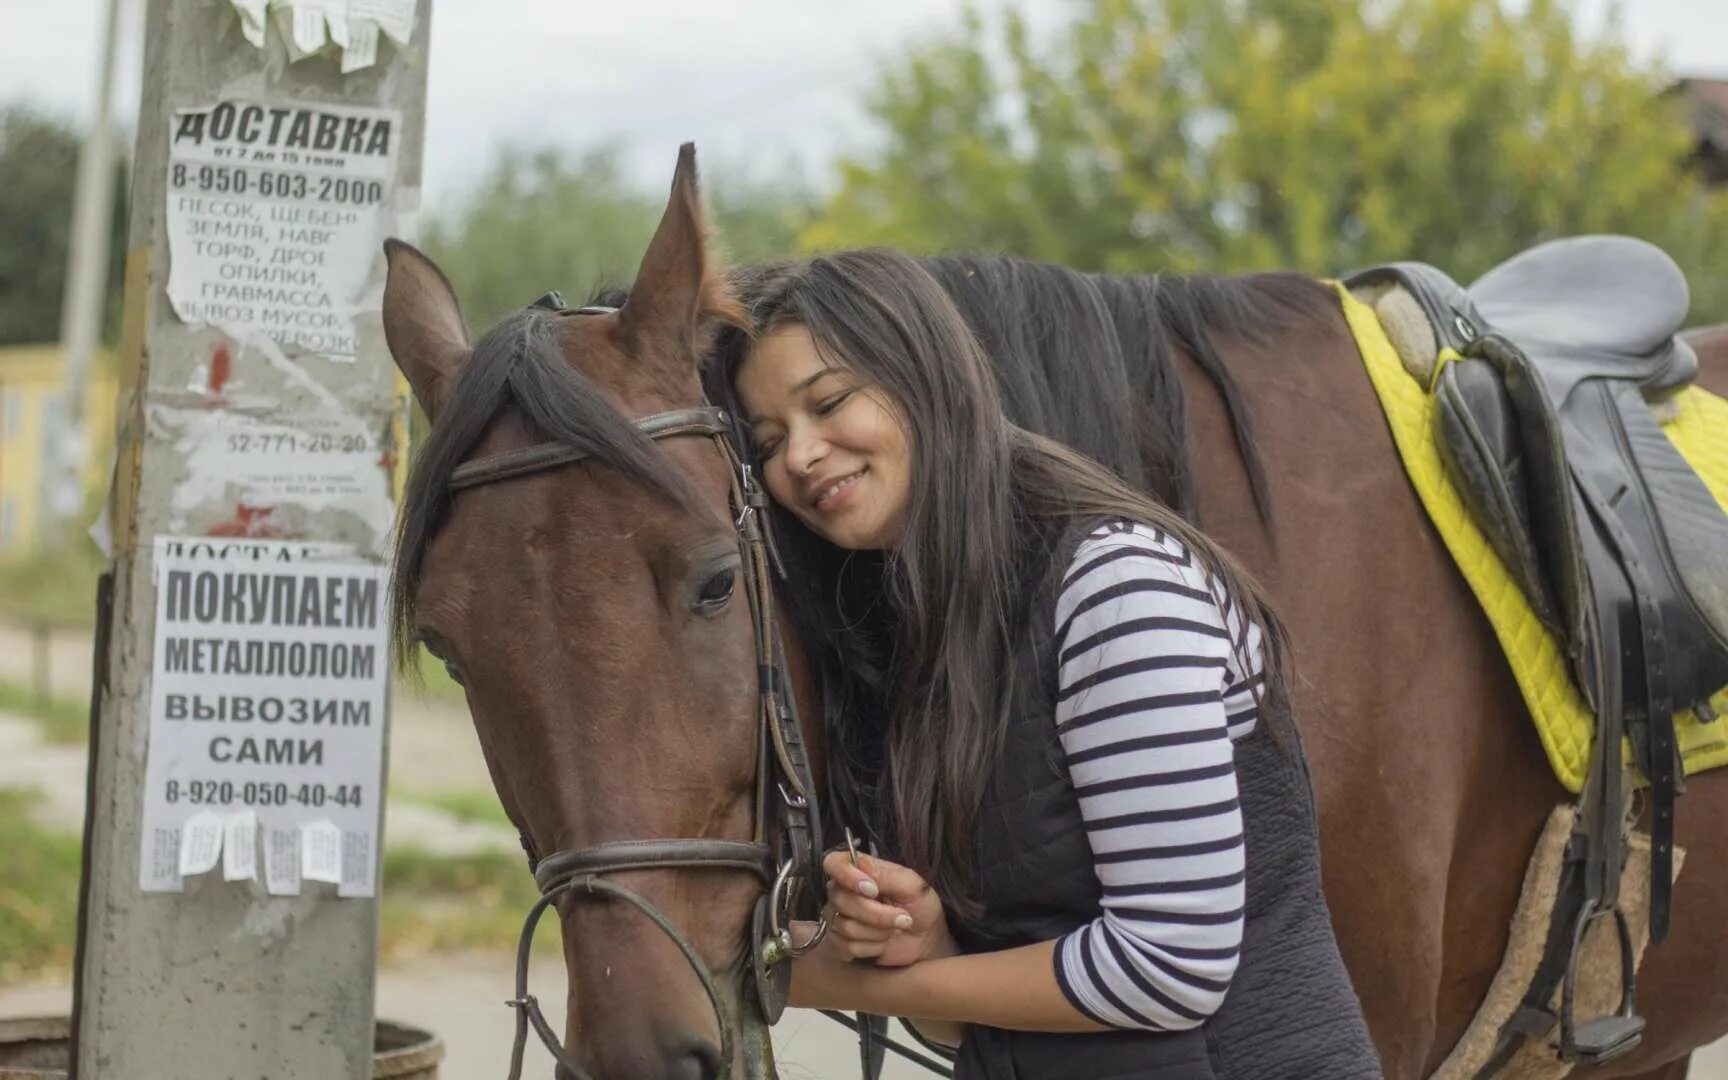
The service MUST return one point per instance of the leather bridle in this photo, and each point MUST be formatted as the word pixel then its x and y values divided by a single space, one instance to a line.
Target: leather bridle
pixel 784 789
pixel 788 860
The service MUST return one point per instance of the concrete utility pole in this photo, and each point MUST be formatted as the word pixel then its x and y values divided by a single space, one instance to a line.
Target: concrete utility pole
pixel 228 917
pixel 81 308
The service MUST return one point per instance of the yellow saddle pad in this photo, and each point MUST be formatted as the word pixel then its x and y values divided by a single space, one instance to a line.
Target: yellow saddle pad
pixel 1564 722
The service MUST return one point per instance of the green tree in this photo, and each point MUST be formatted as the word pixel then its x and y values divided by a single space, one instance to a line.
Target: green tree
pixel 543 219
pixel 1320 135
pixel 38 176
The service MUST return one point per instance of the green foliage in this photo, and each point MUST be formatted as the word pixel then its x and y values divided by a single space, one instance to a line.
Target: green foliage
pixel 39 903
pixel 55 585
pixel 542 219
pixel 472 807
pixel 39 167
pixel 436 903
pixel 63 720
pixel 1190 135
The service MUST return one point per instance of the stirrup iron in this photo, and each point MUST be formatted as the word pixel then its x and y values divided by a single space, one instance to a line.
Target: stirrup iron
pixel 1606 1037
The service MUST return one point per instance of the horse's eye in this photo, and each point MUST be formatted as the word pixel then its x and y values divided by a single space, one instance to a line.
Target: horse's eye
pixel 716 592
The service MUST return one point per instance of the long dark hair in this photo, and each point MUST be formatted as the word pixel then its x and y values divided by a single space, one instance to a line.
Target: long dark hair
pixel 916 646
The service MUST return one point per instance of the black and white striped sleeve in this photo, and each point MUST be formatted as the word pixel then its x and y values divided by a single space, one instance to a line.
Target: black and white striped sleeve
pixel 1145 670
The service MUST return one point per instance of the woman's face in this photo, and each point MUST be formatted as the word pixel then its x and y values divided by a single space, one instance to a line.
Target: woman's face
pixel 833 448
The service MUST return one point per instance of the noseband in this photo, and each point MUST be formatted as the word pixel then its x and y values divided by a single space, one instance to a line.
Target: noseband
pixel 790 868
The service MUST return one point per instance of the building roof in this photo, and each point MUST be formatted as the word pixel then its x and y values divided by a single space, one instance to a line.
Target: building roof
pixel 1707 106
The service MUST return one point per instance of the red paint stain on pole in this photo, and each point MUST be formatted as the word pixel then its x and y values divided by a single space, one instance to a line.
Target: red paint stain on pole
pixel 221 367
pixel 251 522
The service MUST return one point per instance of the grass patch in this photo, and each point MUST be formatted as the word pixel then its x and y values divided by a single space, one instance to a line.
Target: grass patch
pixel 428 680
pixel 64 720
pixel 430 903
pixel 57 585
pixel 435 903
pixel 473 807
pixel 39 903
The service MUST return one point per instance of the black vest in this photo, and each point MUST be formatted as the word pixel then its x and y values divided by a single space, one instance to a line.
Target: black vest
pixel 1290 1010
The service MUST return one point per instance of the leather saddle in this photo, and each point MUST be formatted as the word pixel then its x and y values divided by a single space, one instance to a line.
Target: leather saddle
pixel 1546 430
pixel 1545 426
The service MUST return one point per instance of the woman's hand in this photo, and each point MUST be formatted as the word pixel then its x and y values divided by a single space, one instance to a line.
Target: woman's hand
pixel 882 911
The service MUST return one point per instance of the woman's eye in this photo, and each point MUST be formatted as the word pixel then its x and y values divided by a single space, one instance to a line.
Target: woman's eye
pixel 833 403
pixel 766 450
pixel 716 591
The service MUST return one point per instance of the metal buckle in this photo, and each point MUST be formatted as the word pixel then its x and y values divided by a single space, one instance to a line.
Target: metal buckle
pixel 779 945
pixel 793 800
pixel 747 485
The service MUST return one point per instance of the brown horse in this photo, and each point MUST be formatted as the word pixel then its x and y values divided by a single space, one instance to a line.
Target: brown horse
pixel 612 704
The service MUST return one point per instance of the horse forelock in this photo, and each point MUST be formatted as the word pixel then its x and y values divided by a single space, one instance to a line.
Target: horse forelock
pixel 518 365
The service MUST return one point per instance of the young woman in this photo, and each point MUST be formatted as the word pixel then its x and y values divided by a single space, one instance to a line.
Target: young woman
pixel 1054 708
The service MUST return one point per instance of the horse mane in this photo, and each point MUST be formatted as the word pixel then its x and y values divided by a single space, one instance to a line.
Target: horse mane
pixel 1086 359
pixel 518 365
pixel 1090 359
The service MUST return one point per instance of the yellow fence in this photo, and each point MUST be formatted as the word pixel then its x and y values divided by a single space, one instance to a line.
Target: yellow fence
pixel 32 401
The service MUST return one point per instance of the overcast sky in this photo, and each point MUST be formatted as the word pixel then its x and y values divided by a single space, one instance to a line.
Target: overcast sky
pixel 756 83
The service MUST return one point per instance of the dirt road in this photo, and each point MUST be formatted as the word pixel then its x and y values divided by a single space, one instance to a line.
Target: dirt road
pixel 461 999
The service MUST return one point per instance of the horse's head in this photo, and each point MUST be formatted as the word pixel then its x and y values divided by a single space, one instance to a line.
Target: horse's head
pixel 594 606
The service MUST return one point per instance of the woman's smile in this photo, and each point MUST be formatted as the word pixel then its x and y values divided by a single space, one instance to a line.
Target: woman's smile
pixel 838 495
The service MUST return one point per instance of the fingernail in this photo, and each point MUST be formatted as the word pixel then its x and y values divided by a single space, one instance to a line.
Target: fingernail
pixel 903 922
pixel 866 887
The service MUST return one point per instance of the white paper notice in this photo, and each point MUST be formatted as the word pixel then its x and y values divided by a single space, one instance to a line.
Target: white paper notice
pixel 348 26
pixel 278 471
pixel 251 14
pixel 362 48
pixel 321 852
pixel 200 843
pixel 240 846
pixel 307 18
pixel 276 214
pixel 267 697
pixel 282 862
pixel 395 17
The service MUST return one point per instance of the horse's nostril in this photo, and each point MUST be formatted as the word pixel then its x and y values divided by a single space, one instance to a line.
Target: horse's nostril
pixel 694 1059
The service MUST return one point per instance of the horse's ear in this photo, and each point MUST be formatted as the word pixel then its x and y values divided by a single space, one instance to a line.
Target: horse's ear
pixel 678 294
pixel 422 324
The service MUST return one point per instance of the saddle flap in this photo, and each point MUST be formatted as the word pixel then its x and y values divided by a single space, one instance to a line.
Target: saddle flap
pixel 1593 294
pixel 1480 444
pixel 1689 532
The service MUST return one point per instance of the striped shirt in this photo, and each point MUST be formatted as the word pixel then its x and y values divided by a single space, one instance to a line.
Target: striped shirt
pixel 1151 700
